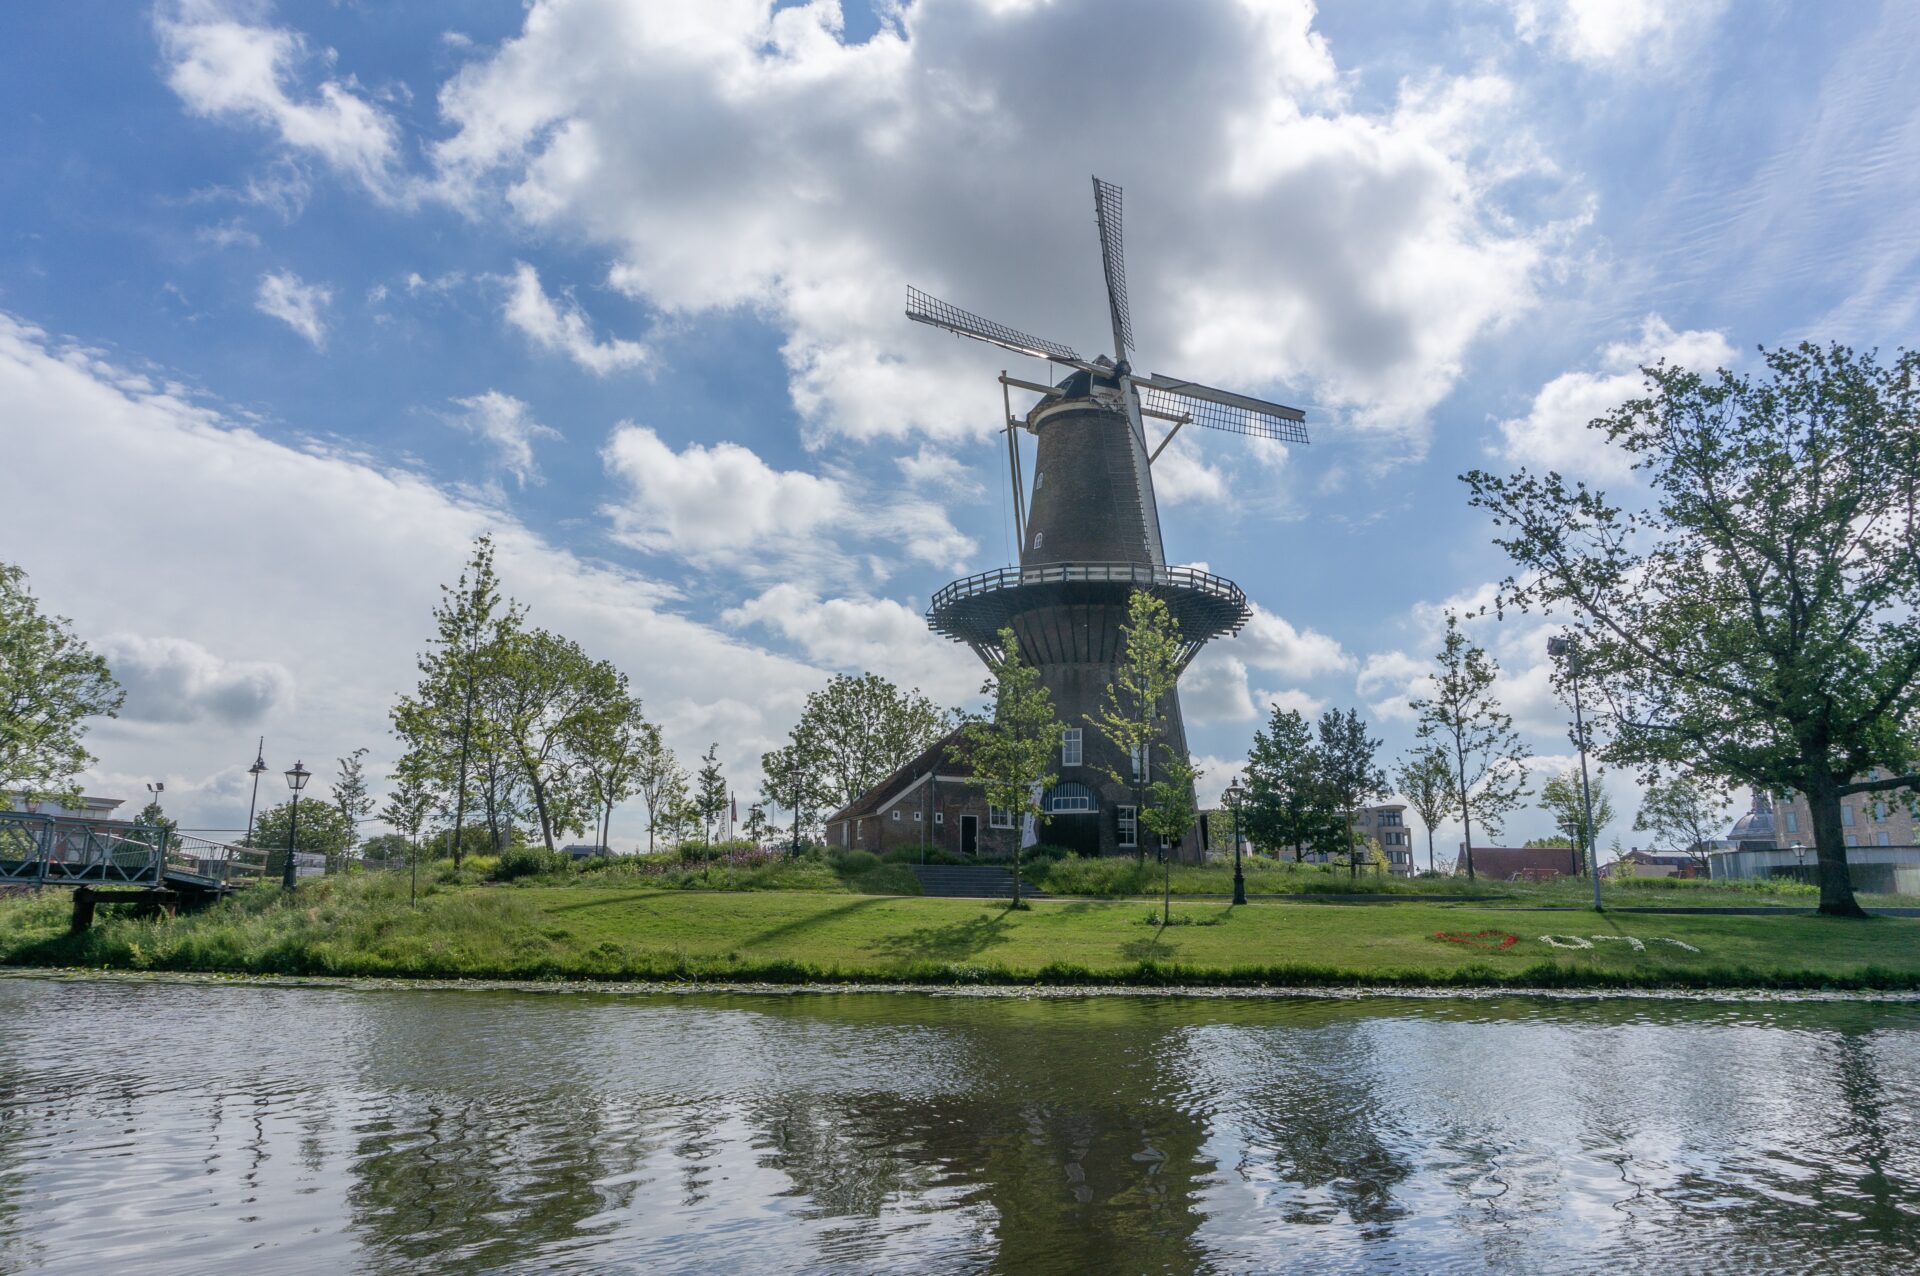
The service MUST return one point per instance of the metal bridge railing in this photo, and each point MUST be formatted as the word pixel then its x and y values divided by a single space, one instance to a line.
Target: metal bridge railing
pixel 1139 574
pixel 53 850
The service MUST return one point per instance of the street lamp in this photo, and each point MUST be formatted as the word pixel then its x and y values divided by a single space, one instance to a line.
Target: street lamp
pixel 258 769
pixel 796 806
pixel 1800 862
pixel 1235 795
pixel 1564 648
pixel 296 780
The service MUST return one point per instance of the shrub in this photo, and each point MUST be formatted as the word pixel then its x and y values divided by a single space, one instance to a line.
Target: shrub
pixel 528 861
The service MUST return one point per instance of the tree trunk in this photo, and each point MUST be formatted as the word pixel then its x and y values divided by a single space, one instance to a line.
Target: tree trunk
pixel 1430 867
pixel 1466 812
pixel 1829 842
pixel 540 805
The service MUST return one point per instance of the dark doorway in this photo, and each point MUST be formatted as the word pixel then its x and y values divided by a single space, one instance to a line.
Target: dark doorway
pixel 969 834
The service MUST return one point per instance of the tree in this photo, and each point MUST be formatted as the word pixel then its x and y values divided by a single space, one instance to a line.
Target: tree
pixel 1012 752
pixel 1348 771
pixel 656 775
pixel 442 721
pixel 1133 711
pixel 855 732
pixel 1686 813
pixel 1170 813
pixel 1561 798
pixel 351 799
pixel 710 791
pixel 546 682
pixel 1754 616
pixel 1486 760
pixel 151 816
pixel 792 784
pixel 406 811
pixel 50 684
pixel 1425 777
pixel 323 831
pixel 607 743
pixel 1286 806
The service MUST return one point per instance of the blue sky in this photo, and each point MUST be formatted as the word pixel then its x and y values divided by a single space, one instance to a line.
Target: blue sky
pixel 294 300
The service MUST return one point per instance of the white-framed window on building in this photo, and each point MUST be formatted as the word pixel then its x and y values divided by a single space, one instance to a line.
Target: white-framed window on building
pixel 1793 821
pixel 1852 840
pixel 916 817
pixel 1138 755
pixel 1389 819
pixel 939 817
pixel 1038 537
pixel 1129 825
pixel 1883 839
pixel 1070 747
pixel 1038 479
pixel 896 819
pixel 1846 813
pixel 1879 810
pixel 999 817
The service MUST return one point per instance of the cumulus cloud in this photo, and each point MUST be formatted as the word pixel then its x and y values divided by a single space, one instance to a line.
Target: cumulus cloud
pixel 718 503
pixel 857 634
pixel 1351 254
pixel 224 66
pixel 1272 643
pixel 327 566
pixel 1616 34
pixel 507 426
pixel 176 680
pixel 1553 435
pixel 562 327
pixel 299 305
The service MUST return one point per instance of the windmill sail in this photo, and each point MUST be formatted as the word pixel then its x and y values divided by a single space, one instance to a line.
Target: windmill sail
pixel 1221 409
pixel 931 310
pixel 1106 211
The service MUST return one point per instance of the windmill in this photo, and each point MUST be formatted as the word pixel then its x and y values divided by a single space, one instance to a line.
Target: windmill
pixel 1090 534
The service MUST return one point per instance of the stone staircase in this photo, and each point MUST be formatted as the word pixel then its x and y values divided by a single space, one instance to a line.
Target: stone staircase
pixel 964 882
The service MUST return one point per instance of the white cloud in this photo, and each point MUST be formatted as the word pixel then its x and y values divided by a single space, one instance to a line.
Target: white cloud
pixel 1553 435
pixel 225 67
pixel 507 426
pixel 1351 254
pixel 855 635
pixel 176 680
pixel 297 558
pixel 1180 477
pixel 1389 680
pixel 1617 34
pixel 718 503
pixel 285 297
pixel 562 327
pixel 1272 643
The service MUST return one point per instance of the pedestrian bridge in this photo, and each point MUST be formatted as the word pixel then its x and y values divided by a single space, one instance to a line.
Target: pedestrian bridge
pixel 72 850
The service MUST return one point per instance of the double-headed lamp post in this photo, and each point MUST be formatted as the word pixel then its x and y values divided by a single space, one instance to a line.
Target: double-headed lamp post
pixel 1565 648
pixel 296 780
pixel 1235 795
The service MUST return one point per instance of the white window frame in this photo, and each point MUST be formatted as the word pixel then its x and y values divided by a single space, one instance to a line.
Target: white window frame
pixel 1071 749
pixel 1038 538
pixel 999 817
pixel 917 817
pixel 1127 827
pixel 896 817
pixel 1793 821
pixel 939 817
pixel 1071 804
pixel 1138 756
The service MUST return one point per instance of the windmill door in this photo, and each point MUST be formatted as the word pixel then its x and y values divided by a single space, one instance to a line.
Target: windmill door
pixel 969 834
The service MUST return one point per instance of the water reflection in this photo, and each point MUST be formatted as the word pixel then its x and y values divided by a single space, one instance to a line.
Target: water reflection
pixel 210 1128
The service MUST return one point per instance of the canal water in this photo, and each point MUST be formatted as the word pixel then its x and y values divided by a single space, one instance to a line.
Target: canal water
pixel 197 1127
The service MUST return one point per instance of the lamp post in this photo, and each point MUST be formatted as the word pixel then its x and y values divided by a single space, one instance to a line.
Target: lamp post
pixel 1234 795
pixel 796 807
pixel 258 769
pixel 1800 862
pixel 1564 648
pixel 296 780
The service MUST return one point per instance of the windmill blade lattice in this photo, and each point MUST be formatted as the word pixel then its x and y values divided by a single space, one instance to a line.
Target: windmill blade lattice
pixel 1106 211
pixel 931 310
pixel 1222 410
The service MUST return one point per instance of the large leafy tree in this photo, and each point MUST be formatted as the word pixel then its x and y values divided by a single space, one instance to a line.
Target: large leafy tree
pixel 854 732
pixel 1463 717
pixel 1286 807
pixel 1685 812
pixel 50 684
pixel 1425 778
pixel 323 830
pixel 607 739
pixel 1133 716
pixel 1349 772
pixel 1757 615
pixel 1012 751
pixel 1562 800
pixel 657 776
pixel 546 685
pixel 792 785
pixel 443 723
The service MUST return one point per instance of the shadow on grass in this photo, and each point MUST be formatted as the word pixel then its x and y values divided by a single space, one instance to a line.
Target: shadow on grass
pixel 800 925
pixel 945 943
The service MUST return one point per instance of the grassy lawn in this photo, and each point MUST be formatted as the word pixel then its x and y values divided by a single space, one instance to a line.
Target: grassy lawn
pixel 363 926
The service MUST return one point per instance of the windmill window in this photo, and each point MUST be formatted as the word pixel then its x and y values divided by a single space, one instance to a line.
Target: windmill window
pixel 1038 479
pixel 1038 537
pixel 896 816
pixel 1070 747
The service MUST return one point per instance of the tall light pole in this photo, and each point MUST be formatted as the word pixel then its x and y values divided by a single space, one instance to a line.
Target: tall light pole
pixel 796 807
pixel 296 780
pixel 1564 648
pixel 258 769
pixel 1234 795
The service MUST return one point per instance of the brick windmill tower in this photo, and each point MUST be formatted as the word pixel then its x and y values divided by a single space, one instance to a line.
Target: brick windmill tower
pixel 1090 535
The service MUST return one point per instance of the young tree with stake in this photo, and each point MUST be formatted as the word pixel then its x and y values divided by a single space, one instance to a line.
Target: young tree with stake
pixel 1012 751
pixel 1462 716
pixel 1425 778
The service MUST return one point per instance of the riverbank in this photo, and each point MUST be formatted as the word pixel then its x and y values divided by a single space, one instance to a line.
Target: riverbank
pixel 363 926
